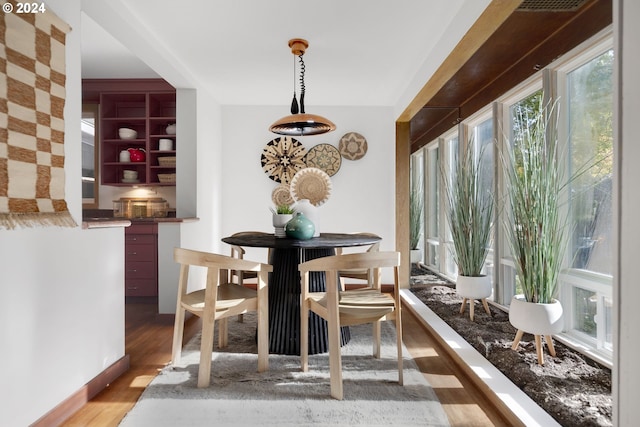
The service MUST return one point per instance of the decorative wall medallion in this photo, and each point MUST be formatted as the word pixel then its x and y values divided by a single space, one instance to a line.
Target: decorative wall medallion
pixel 281 195
pixel 312 184
pixel 352 146
pixel 325 157
pixel 282 157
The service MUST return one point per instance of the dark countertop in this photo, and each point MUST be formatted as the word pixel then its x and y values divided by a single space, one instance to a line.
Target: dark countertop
pixel 103 218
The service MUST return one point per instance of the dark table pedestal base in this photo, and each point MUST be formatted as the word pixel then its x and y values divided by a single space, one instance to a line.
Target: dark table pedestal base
pixel 284 303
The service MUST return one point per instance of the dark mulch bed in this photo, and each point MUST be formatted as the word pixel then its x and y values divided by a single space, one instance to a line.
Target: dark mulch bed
pixel 573 389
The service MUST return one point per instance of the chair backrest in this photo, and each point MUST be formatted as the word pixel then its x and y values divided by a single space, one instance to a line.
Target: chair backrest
pixel 215 263
pixel 372 261
pixel 239 252
pixel 372 248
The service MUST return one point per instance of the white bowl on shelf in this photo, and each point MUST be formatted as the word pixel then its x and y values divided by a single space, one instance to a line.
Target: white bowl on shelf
pixel 127 174
pixel 126 133
pixel 171 129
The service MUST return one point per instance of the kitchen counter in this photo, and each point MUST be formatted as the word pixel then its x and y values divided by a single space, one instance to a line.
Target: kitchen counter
pixel 103 218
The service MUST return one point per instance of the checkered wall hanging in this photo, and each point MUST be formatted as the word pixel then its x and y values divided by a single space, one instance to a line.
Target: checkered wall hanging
pixel 32 97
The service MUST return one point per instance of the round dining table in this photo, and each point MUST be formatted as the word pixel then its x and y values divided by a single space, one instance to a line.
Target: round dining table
pixel 284 285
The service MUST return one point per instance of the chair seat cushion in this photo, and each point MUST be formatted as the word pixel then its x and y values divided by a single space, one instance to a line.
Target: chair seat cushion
pixel 360 303
pixel 365 298
pixel 229 295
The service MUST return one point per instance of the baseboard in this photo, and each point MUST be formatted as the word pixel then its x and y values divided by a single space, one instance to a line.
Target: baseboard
pixel 77 400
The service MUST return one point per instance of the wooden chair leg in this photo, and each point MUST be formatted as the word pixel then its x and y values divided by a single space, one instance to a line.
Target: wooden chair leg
pixel 471 308
pixel 486 306
pixel 462 307
pixel 539 349
pixel 223 332
pixel 399 345
pixel 335 358
pixel 552 349
pixel 304 336
pixel 376 339
pixel 178 331
pixel 206 347
pixel 517 339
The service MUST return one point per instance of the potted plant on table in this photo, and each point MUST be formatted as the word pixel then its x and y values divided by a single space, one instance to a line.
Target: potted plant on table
pixel 281 215
pixel 469 212
pixel 416 210
pixel 536 233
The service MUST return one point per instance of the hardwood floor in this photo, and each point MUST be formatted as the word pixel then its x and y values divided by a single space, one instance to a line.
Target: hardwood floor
pixel 148 342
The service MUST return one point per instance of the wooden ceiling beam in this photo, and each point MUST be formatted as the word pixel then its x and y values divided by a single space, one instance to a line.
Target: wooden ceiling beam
pixel 493 16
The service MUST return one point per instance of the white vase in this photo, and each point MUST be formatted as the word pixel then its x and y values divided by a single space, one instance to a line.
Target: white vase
pixel 310 212
pixel 535 318
pixel 415 256
pixel 279 221
pixel 478 287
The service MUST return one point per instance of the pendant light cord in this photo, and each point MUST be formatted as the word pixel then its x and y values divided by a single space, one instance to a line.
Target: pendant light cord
pixel 302 88
pixel 294 101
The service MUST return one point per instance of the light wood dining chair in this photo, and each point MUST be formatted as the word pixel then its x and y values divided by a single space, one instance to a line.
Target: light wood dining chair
pixel 364 275
pixel 239 277
pixel 352 307
pixel 218 300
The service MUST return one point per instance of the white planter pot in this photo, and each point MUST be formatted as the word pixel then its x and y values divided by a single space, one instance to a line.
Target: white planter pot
pixel 473 287
pixel 534 318
pixel 416 256
pixel 279 221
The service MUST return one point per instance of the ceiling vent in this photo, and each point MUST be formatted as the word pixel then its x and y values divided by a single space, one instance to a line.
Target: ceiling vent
pixel 550 5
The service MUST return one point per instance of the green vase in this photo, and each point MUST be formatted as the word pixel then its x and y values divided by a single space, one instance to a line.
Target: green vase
pixel 300 227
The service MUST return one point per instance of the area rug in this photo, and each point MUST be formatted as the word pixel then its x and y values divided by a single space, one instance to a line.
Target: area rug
pixel 285 396
pixel 32 98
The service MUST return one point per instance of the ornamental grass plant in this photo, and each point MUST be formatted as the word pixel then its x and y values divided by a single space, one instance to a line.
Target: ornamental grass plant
pixel 469 211
pixel 536 231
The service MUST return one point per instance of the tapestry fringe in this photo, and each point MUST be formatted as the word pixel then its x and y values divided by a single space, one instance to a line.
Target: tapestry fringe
pixel 11 221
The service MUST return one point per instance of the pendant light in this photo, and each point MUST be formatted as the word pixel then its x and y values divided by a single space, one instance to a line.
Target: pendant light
pixel 299 122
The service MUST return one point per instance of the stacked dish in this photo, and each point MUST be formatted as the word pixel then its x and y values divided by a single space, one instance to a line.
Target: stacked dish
pixel 126 133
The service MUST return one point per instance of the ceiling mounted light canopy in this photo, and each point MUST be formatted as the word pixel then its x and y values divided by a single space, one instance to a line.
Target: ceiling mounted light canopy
pixel 299 122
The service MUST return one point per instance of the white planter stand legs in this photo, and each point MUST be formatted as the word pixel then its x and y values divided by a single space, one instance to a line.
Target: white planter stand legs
pixel 537 319
pixel 471 289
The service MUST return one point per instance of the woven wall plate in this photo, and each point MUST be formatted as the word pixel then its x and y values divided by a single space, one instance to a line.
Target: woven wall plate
pixel 352 146
pixel 312 184
pixel 325 157
pixel 281 195
pixel 282 157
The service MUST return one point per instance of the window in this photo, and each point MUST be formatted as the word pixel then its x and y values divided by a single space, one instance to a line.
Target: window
pixel 483 147
pixel 89 127
pixel 432 206
pixel 581 83
pixel 451 148
pixel 587 282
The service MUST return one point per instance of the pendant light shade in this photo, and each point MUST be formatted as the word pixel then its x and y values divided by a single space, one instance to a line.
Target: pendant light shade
pixel 299 122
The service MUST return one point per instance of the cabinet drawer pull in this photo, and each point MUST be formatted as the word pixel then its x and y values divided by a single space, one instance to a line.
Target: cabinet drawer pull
pixel 132 288
pixel 132 253
pixel 132 271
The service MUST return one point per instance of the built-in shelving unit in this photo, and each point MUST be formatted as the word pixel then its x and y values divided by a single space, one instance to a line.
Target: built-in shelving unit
pixel 148 113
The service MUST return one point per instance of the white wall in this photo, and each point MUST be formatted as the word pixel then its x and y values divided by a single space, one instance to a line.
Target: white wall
pixel 61 310
pixel 363 191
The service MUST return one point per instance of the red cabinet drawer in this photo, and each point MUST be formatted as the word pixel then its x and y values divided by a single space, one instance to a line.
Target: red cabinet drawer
pixel 140 253
pixel 140 270
pixel 140 239
pixel 141 287
pixel 138 228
